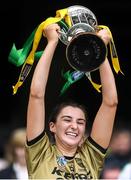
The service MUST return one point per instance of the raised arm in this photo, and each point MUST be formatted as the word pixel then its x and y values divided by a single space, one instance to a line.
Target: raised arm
pixel 36 105
pixel 104 120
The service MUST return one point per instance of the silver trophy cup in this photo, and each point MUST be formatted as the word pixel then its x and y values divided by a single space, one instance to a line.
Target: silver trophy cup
pixel 85 50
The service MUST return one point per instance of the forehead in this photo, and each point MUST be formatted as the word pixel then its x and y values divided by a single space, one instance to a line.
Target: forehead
pixel 72 111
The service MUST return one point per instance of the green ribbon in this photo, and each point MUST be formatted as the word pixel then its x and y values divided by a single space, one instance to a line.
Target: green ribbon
pixel 74 76
pixel 18 57
pixel 71 78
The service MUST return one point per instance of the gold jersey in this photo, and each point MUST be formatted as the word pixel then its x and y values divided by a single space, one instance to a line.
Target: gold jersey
pixel 45 161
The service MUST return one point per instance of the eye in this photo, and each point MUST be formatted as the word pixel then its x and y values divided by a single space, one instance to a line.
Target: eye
pixel 81 122
pixel 67 120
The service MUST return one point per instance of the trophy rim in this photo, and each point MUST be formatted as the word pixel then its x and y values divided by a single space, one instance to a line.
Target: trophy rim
pixel 70 32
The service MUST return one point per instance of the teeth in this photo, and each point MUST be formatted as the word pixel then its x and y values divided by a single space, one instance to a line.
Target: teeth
pixel 72 134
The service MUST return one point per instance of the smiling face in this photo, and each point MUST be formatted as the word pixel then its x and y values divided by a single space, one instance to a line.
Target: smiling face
pixel 69 127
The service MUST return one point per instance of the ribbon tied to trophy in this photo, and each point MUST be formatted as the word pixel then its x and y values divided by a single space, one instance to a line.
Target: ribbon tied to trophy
pixel 85 50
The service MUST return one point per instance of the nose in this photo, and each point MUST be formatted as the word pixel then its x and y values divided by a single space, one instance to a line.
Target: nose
pixel 74 125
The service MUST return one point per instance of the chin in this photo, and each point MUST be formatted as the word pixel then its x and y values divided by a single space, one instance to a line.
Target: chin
pixel 72 143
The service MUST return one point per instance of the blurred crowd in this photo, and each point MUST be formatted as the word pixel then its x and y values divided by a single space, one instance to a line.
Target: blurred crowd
pixel 118 160
pixel 13 164
pixel 117 163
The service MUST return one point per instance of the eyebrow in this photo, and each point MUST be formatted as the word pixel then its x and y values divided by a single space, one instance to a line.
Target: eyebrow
pixel 71 117
pixel 66 116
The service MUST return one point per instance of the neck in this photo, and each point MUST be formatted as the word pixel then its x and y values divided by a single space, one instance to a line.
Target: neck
pixel 66 150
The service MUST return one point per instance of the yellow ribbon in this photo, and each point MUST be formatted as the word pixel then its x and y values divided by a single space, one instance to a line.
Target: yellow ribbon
pixel 113 52
pixel 95 85
pixel 114 59
pixel 60 14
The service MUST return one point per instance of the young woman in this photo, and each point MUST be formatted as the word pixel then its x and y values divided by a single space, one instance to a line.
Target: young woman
pixel 70 157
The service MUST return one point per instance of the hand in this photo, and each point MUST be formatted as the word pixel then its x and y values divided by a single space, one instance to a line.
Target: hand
pixel 51 32
pixel 105 35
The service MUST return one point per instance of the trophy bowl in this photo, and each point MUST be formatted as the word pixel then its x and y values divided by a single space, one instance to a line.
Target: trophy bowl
pixel 85 50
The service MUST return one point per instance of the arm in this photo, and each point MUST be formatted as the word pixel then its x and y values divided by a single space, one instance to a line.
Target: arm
pixel 104 120
pixel 36 105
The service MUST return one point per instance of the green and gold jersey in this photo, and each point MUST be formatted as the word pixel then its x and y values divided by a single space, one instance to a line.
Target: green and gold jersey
pixel 44 161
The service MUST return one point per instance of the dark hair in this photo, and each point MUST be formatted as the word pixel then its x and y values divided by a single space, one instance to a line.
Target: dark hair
pixel 64 104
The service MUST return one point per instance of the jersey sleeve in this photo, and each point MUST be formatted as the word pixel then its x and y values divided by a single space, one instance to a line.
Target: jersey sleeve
pixel 36 149
pixel 94 155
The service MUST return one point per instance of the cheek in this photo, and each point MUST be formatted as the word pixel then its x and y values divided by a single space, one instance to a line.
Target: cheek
pixel 59 128
pixel 82 129
pixel 60 124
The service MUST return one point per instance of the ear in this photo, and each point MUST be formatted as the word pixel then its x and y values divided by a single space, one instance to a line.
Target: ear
pixel 52 127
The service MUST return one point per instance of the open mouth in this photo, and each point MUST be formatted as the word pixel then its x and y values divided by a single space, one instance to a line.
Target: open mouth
pixel 72 134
